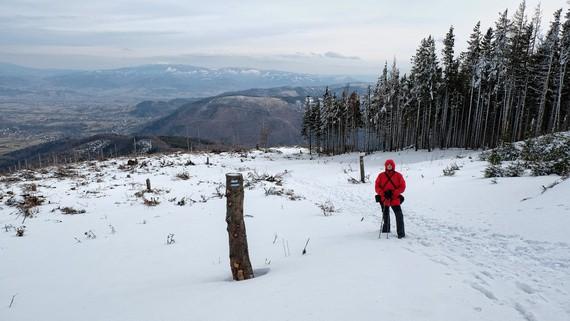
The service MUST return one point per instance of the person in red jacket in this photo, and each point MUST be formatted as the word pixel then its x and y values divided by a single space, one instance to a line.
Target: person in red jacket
pixel 389 188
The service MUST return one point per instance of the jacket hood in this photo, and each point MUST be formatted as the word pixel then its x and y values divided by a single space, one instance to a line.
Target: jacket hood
pixel 391 162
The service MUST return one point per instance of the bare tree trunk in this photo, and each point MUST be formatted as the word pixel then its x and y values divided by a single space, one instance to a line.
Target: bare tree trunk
pixel 556 121
pixel 542 105
pixel 417 127
pixel 486 126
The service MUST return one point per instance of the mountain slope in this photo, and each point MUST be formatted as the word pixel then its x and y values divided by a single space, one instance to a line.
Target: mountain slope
pixel 234 119
pixel 238 118
pixel 94 147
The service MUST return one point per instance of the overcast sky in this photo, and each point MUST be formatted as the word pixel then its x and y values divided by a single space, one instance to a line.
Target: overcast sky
pixel 323 36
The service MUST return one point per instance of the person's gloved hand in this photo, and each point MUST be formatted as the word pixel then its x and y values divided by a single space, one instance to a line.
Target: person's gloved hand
pixel 377 197
pixel 388 194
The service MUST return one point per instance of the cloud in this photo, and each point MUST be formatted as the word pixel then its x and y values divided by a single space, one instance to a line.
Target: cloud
pixel 326 55
pixel 327 35
pixel 336 55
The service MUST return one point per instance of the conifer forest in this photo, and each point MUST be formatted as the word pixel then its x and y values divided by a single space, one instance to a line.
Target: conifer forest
pixel 510 84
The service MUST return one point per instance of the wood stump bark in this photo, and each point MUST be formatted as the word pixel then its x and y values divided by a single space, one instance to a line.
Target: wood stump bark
pixel 239 254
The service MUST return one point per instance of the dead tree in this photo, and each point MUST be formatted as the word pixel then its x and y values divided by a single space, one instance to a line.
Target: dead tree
pixel 239 254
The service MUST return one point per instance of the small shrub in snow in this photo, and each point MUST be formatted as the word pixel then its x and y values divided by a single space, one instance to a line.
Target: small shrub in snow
pixel 327 208
pixel 503 152
pixel 71 210
pixel 273 191
pixel 277 191
pixel 254 178
pixel 155 191
pixel 30 188
pixel 546 155
pixel 514 169
pixel 27 206
pixel 10 179
pixel 494 171
pixel 273 150
pixel 20 230
pixel 450 169
pixel 183 176
pixel 508 152
pixel 90 235
pixel 153 201
pixel 219 193
pixel 65 172
pixel 170 239
pixel 11 201
pixel 353 180
pixel 494 158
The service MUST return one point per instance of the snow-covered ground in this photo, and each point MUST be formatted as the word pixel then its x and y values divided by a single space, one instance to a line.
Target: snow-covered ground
pixel 476 249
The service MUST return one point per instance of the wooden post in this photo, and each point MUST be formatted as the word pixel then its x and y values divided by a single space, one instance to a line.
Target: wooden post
pixel 239 254
pixel 207 160
pixel 362 167
pixel 148 184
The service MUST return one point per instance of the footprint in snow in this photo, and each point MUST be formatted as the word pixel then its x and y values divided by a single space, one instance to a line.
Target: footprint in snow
pixel 487 274
pixel 439 261
pixel 484 291
pixel 525 313
pixel 525 287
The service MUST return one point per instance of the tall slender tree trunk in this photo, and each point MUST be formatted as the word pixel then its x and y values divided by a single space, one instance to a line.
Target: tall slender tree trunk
pixel 417 126
pixel 556 121
pixel 542 104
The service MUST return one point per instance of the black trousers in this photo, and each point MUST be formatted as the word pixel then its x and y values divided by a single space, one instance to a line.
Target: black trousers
pixel 399 219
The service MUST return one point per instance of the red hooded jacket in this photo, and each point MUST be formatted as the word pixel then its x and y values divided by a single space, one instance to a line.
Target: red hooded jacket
pixel 390 180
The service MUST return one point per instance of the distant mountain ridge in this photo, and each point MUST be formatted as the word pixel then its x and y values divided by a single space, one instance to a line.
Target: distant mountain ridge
pixel 159 81
pixel 251 117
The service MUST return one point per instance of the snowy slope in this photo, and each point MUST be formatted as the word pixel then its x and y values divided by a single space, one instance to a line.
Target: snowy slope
pixel 473 251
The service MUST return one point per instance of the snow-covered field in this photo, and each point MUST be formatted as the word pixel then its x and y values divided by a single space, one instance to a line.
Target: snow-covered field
pixel 475 250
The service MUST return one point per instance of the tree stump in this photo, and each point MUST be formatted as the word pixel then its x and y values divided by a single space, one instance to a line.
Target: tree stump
pixel 362 167
pixel 239 254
